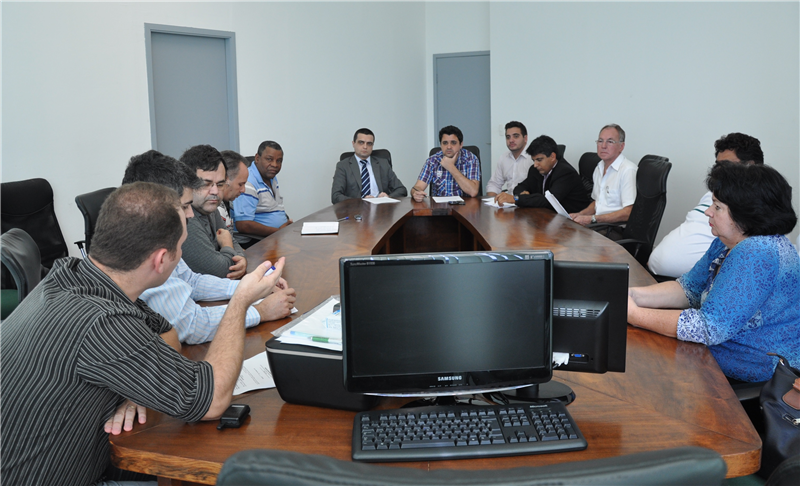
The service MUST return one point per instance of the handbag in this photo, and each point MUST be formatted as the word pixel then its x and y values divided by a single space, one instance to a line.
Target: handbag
pixel 780 405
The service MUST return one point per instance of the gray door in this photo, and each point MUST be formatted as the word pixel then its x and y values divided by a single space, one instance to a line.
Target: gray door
pixel 192 84
pixel 462 97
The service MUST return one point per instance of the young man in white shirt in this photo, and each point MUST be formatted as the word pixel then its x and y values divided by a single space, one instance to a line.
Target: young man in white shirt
pixel 513 166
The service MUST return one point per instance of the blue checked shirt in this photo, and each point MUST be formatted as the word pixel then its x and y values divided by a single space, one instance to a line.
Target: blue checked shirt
pixel 442 182
pixel 175 300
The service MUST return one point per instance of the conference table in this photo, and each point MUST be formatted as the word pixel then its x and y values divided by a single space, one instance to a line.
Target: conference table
pixel 672 393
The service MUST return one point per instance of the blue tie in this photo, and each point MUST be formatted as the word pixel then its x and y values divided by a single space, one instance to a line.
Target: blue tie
pixel 364 179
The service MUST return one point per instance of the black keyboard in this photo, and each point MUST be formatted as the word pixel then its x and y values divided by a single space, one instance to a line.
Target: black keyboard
pixel 464 431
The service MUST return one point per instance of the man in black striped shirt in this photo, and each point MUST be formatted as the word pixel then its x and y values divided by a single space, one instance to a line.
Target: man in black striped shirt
pixel 82 343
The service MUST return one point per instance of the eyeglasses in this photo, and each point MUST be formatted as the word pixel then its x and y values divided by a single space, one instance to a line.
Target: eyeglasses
pixel 609 142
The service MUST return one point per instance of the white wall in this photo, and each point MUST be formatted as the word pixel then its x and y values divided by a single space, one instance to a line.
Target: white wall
pixel 676 76
pixel 75 104
pixel 451 27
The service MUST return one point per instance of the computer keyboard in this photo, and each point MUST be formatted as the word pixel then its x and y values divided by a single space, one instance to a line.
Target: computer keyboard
pixel 464 431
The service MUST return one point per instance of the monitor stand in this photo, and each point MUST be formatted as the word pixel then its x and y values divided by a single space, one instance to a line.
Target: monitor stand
pixel 552 390
pixel 446 400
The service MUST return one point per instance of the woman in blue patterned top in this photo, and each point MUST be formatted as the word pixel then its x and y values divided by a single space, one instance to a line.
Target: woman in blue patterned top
pixel 742 299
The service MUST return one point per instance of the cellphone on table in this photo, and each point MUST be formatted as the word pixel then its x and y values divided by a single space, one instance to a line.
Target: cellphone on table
pixel 234 416
pixel 456 203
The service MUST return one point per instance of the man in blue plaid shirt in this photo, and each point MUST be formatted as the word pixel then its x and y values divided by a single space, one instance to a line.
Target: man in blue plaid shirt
pixel 454 171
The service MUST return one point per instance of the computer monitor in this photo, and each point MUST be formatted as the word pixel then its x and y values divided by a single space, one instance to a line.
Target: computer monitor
pixel 446 324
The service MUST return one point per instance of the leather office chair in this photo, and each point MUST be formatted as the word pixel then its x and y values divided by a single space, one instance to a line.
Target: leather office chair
pixel 640 231
pixel 477 153
pixel 250 159
pixel 382 153
pixel 685 465
pixel 28 205
pixel 586 166
pixel 20 256
pixel 89 205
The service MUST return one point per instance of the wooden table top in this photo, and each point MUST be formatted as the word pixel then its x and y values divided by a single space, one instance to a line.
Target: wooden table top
pixel 672 394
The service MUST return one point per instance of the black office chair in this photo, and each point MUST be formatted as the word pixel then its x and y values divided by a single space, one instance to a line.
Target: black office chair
pixel 382 153
pixel 250 159
pixel 684 465
pixel 20 256
pixel 560 149
pixel 28 205
pixel 89 205
pixel 586 165
pixel 639 233
pixel 475 151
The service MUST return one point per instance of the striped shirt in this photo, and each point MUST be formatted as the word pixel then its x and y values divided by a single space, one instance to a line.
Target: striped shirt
pixel 442 182
pixel 175 300
pixel 70 354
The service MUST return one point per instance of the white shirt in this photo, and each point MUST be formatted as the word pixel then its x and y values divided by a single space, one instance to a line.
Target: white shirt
pixel 509 171
pixel 616 188
pixel 677 253
pixel 175 300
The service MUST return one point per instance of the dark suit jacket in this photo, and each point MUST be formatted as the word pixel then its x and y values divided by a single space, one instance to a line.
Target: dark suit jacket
pixel 347 179
pixel 564 183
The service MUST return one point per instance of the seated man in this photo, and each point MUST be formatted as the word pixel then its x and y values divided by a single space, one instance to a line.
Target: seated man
pixel 235 179
pixel 210 247
pixel 614 182
pixel 363 176
pixel 260 210
pixel 175 299
pixel 513 166
pixel 677 253
pixel 548 174
pixel 452 172
pixel 82 343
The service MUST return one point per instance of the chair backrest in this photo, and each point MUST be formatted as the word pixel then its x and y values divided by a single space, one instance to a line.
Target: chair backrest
pixel 382 153
pixel 586 166
pixel 28 205
pixel 477 153
pixel 90 204
pixel 649 205
pixel 20 255
pixel 683 465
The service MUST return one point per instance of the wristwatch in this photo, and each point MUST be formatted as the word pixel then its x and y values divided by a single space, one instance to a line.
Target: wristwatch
pixel 594 218
pixel 516 198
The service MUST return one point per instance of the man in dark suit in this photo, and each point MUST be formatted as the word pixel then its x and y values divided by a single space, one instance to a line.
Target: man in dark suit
pixel 548 173
pixel 364 176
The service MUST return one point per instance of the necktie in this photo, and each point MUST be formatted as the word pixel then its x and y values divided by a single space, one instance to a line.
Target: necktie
pixel 364 179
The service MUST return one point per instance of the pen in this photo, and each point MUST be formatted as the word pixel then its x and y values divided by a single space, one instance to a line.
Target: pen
pixel 270 270
pixel 346 217
pixel 316 339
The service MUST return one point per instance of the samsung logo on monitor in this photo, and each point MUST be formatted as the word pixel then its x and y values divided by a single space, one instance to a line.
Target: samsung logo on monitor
pixel 450 378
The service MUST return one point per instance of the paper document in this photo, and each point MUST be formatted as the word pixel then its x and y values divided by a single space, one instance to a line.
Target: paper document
pixel 255 375
pixel 489 201
pixel 322 228
pixel 310 329
pixel 560 359
pixel 447 199
pixel 556 205
pixel 380 200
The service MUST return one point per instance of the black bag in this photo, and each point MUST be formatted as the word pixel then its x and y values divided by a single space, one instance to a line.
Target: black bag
pixel 780 405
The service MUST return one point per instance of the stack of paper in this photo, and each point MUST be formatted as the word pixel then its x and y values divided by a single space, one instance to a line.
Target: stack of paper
pixel 380 200
pixel 321 228
pixel 447 199
pixel 489 201
pixel 310 329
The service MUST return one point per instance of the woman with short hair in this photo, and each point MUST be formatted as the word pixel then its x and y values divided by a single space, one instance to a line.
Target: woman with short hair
pixel 742 299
